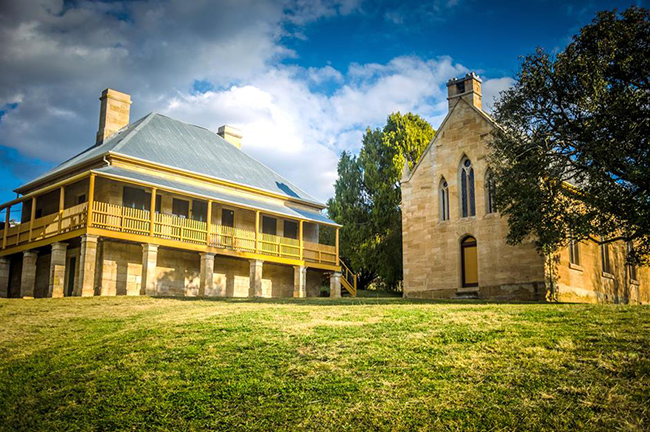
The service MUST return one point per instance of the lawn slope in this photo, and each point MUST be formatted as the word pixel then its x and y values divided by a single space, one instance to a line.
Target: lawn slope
pixel 347 365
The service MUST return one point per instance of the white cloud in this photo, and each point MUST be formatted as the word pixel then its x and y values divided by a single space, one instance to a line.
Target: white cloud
pixel 491 89
pixel 56 61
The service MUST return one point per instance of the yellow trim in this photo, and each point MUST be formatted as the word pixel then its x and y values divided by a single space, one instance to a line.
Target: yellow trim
pixel 209 223
pixel 32 216
pixel 44 242
pixel 152 211
pixel 167 168
pixel 61 204
pixel 46 189
pixel 302 241
pixel 202 248
pixel 91 196
pixel 6 230
pixel 336 246
pixel 203 197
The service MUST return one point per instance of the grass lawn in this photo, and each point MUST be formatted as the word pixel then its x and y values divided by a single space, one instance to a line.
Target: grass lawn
pixel 349 365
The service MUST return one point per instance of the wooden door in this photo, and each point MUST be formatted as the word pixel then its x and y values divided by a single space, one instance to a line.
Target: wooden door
pixel 469 260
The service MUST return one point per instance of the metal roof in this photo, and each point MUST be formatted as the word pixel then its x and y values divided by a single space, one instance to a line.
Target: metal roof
pixel 162 140
pixel 217 195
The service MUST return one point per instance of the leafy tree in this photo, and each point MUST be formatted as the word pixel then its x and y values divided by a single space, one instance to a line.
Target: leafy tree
pixel 368 195
pixel 572 155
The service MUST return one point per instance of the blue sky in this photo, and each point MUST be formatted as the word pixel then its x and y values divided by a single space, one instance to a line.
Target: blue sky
pixel 302 79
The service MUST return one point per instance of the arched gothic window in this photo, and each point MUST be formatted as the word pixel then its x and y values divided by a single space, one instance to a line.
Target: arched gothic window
pixel 467 203
pixel 490 205
pixel 444 200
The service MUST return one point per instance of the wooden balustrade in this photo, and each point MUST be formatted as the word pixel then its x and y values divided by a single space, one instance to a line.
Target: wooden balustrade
pixel 117 218
pixel 47 226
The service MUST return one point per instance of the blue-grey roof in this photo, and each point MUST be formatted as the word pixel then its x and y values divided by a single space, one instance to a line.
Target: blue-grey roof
pixel 162 140
pixel 223 196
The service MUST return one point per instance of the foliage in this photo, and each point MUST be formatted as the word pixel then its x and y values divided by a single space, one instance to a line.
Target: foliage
pixel 368 195
pixel 118 364
pixel 572 157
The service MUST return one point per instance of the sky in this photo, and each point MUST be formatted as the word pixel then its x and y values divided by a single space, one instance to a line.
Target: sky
pixel 302 79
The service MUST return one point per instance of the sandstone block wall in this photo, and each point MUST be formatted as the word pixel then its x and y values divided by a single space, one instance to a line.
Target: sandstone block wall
pixel 588 283
pixel 432 253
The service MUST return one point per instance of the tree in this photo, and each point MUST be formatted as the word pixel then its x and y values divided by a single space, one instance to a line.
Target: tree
pixel 571 158
pixel 368 195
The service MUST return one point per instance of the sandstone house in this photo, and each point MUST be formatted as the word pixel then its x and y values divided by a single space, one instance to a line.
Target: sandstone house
pixel 453 236
pixel 162 207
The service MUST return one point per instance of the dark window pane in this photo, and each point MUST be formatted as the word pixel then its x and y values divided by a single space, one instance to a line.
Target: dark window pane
pixel 463 193
pixel 158 203
pixel 472 205
pixel 199 210
pixel 136 198
pixel 180 208
pixel 291 229
pixel 227 218
pixel 81 199
pixel 269 225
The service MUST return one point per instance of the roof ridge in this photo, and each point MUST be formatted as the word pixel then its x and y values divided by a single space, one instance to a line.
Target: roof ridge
pixel 146 119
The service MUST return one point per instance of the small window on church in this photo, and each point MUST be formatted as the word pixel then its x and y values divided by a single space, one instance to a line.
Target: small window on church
pixel 444 200
pixel 631 267
pixel 605 258
pixel 574 251
pixel 467 203
pixel 460 87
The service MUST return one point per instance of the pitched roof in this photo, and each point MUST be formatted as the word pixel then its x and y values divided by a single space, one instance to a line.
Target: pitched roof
pixel 165 141
pixel 222 195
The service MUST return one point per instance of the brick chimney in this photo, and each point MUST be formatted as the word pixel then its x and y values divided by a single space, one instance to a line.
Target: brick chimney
pixel 230 134
pixel 113 114
pixel 468 88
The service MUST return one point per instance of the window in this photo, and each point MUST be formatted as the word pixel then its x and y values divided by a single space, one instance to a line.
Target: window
pixel 467 204
pixel 227 218
pixel 574 251
pixel 291 229
pixel 158 203
pixel 136 198
pixel 631 268
pixel 199 210
pixel 444 200
pixel 180 208
pixel 81 199
pixel 605 258
pixel 269 225
pixel 491 206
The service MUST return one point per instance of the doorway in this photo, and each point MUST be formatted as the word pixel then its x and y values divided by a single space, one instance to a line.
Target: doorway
pixel 69 289
pixel 469 262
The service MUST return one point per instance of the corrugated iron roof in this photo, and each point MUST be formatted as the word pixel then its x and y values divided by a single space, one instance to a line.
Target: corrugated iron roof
pixel 162 140
pixel 217 195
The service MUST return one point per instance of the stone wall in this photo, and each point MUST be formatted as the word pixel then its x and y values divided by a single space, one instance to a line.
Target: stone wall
pixel 432 253
pixel 42 274
pixel 277 280
pixel 588 283
pixel 119 268
pixel 177 273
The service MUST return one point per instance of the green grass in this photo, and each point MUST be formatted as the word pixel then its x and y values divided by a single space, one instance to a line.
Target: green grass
pixel 346 365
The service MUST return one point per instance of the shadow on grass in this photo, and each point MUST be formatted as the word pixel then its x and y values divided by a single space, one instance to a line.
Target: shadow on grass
pixel 349 301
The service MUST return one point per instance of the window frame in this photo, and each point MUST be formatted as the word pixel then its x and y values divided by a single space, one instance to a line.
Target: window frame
pixel 467 188
pixel 574 252
pixel 443 200
pixel 605 258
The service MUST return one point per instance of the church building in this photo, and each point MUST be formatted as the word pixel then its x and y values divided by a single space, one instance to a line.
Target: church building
pixel 454 237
